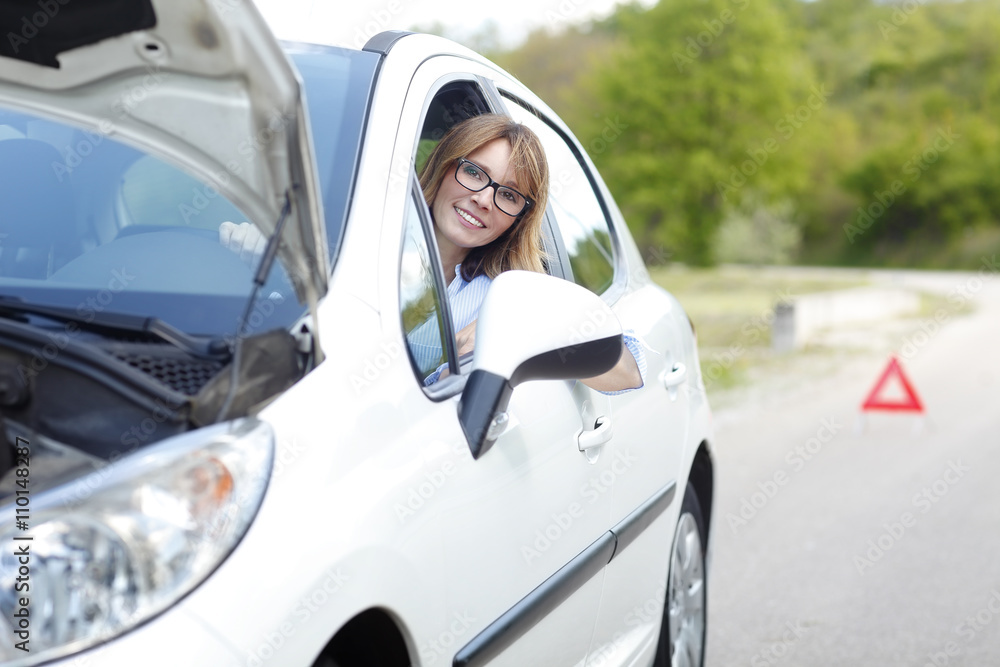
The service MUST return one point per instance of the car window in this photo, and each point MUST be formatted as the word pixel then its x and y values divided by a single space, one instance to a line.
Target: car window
pixel 578 213
pixel 337 85
pixel 87 219
pixel 420 301
pixel 451 104
pixel 155 193
pixel 424 305
pixel 81 210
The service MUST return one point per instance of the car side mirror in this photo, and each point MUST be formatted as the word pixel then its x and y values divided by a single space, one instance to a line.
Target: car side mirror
pixel 532 326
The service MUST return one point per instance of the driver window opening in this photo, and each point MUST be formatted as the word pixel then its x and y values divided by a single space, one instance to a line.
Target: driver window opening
pixel 427 336
pixel 451 105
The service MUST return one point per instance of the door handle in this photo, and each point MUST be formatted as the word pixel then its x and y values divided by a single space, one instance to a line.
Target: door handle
pixel 600 435
pixel 672 378
pixel 675 376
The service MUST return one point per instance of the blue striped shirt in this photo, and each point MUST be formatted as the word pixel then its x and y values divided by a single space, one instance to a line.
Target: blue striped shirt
pixel 465 298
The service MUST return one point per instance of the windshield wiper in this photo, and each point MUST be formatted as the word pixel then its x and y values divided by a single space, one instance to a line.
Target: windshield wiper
pixel 105 322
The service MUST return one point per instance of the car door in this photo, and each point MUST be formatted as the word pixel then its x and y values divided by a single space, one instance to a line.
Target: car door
pixel 524 528
pixel 650 425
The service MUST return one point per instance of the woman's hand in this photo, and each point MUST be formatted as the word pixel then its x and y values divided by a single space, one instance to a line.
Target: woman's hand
pixel 465 340
pixel 245 240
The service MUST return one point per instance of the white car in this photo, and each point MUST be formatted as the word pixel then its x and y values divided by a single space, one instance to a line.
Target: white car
pixel 212 462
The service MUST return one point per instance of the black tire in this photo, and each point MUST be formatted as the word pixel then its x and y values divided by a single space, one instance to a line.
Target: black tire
pixel 685 611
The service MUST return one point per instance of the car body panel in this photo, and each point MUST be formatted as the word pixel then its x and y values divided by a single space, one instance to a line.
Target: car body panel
pixel 375 501
pixel 153 644
pixel 651 436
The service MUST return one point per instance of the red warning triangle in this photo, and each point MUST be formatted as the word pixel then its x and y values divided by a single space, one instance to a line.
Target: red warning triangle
pixel 909 403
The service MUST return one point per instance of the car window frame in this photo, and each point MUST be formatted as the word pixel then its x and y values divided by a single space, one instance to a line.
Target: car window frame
pixel 619 280
pixel 458 368
pixel 557 258
pixel 448 344
pixel 363 77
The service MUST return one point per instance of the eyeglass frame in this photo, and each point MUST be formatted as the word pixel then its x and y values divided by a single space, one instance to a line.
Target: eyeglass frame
pixel 528 201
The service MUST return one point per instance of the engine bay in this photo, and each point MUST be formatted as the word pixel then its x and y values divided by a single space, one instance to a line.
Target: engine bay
pixel 87 400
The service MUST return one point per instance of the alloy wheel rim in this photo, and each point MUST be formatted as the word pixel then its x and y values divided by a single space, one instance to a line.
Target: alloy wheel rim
pixel 686 595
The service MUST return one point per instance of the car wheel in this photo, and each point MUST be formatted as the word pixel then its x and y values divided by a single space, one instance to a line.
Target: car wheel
pixel 682 635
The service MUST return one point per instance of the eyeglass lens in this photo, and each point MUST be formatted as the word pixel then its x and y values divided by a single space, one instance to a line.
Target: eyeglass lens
pixel 472 177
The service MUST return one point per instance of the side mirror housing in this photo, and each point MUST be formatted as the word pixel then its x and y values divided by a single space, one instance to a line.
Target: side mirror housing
pixel 533 327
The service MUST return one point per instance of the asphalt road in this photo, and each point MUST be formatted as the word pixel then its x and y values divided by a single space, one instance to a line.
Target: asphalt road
pixel 838 543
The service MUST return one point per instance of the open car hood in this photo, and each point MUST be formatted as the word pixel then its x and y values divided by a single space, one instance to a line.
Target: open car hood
pixel 201 83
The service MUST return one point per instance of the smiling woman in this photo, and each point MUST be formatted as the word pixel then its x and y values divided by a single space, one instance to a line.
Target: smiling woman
pixel 471 229
pixel 487 185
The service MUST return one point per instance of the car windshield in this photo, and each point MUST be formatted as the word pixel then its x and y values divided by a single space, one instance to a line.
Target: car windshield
pixel 93 225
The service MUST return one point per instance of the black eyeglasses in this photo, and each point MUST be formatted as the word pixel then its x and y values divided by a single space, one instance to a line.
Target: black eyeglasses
pixel 473 177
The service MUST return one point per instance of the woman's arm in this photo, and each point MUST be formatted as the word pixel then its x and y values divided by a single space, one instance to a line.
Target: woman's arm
pixel 624 376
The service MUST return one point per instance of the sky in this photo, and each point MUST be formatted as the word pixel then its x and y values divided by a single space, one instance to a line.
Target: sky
pixel 351 22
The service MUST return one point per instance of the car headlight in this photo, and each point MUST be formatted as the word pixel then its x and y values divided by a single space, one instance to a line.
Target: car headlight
pixel 145 531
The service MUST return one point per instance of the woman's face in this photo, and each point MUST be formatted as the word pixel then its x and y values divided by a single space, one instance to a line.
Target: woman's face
pixel 469 219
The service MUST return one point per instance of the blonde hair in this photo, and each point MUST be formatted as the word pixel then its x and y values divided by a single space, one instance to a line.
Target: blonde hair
pixel 520 247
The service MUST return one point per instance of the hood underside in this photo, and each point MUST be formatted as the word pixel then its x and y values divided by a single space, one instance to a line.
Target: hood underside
pixel 200 83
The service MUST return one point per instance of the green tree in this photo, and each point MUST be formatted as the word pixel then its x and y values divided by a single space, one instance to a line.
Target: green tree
pixel 676 105
pixel 705 93
pixel 925 79
pixel 557 66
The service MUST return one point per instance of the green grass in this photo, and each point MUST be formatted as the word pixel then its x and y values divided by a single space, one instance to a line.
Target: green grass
pixel 732 308
pixel 732 305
